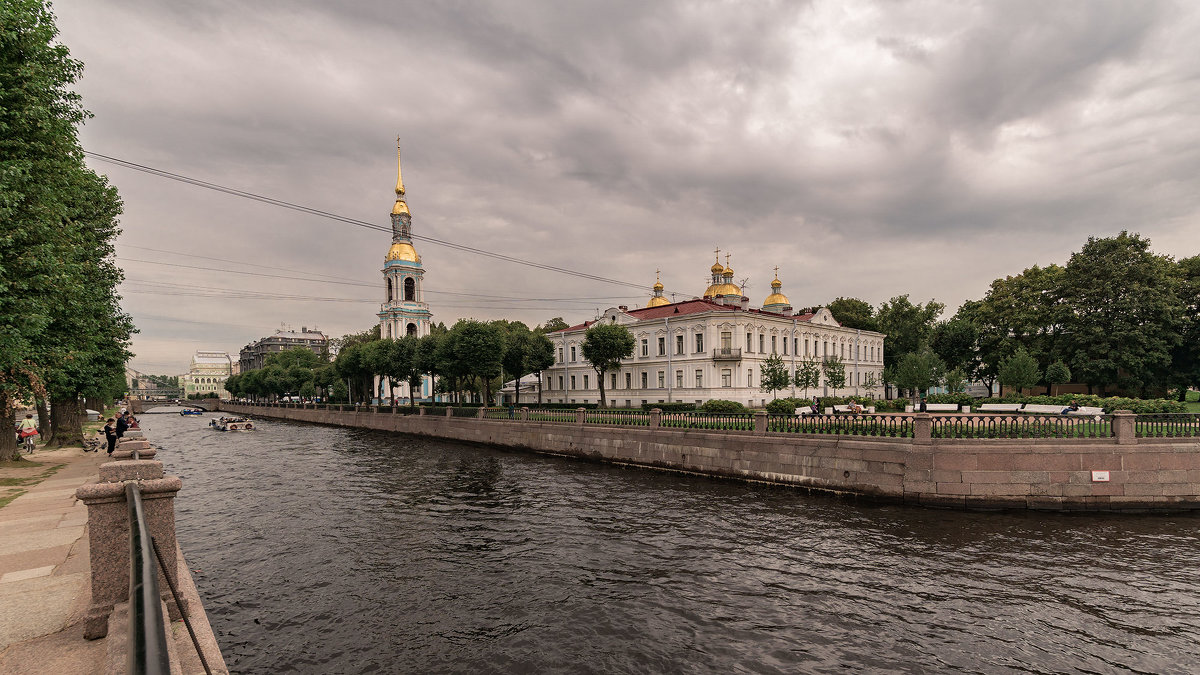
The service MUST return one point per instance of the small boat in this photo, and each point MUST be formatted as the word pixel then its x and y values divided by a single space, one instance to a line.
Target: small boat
pixel 191 411
pixel 232 424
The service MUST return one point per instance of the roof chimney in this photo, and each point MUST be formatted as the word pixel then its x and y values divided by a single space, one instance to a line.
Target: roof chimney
pixel 623 308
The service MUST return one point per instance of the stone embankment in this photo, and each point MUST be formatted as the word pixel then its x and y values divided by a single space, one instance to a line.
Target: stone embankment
pixel 64 595
pixel 1118 473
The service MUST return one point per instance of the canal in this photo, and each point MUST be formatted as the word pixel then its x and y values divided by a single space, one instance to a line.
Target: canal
pixel 330 550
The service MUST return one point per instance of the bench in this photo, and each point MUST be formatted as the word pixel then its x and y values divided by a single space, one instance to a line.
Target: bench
pixel 1088 411
pixel 845 409
pixel 1000 407
pixel 1043 409
pixel 940 407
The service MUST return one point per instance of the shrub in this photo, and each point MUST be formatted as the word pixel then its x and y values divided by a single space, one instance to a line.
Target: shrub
pixel 670 407
pixel 957 399
pixel 717 405
pixel 786 406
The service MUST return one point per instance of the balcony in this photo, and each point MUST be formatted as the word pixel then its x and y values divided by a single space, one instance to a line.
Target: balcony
pixel 727 354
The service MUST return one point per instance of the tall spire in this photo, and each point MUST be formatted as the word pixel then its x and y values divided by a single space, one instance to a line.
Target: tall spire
pixel 399 179
pixel 401 217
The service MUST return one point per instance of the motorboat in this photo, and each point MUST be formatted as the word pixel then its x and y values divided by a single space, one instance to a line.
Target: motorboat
pixel 232 424
pixel 191 411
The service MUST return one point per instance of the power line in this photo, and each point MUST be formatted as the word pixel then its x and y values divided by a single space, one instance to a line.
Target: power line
pixel 351 221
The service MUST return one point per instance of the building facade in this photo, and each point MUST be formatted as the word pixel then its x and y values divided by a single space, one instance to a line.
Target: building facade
pixel 207 374
pixel 404 311
pixel 254 354
pixel 714 347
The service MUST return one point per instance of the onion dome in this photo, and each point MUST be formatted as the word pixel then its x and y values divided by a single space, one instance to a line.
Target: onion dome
pixel 776 300
pixel 658 300
pixel 717 267
pixel 402 250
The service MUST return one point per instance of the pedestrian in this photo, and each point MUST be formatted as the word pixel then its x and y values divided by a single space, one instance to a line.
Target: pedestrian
pixel 27 429
pixel 923 403
pixel 122 423
pixel 816 406
pixel 110 434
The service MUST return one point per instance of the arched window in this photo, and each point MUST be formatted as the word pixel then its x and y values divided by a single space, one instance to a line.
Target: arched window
pixel 412 329
pixel 410 290
pixel 389 296
pixel 389 326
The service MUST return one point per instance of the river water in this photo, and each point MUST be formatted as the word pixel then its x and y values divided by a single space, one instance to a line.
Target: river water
pixel 329 550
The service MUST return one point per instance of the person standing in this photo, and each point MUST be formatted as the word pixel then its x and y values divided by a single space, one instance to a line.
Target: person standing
pixel 122 423
pixel 110 435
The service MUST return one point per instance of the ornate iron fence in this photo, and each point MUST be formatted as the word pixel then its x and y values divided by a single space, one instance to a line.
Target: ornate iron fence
pixel 1167 425
pixel 894 426
pixel 713 421
pixel 635 418
pixel 1021 426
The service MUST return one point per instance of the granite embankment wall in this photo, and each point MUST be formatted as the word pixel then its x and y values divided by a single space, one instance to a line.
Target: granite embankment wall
pixel 1050 474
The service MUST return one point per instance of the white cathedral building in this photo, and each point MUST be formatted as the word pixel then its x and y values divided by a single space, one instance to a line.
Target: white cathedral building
pixel 712 347
pixel 404 311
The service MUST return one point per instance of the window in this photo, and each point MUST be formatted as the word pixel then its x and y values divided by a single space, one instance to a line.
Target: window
pixel 699 342
pixel 773 340
pixel 629 380
pixel 662 346
pixel 661 380
pixel 726 377
pixel 585 381
pixel 726 341
pixel 679 345
pixel 389 296
pixel 843 350
pixel 560 359
pixel 785 345
pixel 644 385
pixel 761 347
pixel 411 329
pixel 645 347
pixel 410 290
pixel 614 380
pixel 572 353
pixel 796 346
pixel 560 382
pixel 699 378
pixel 750 378
pixel 749 342
pixel 679 379
pixel 572 385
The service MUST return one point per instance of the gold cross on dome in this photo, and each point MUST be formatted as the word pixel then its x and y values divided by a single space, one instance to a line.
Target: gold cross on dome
pixel 777 271
pixel 656 273
pixel 718 252
pixel 727 260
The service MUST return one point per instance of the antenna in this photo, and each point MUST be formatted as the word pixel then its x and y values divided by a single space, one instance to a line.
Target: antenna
pixel 745 283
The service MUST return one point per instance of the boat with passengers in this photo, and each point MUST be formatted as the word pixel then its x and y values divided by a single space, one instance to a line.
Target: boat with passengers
pixel 232 424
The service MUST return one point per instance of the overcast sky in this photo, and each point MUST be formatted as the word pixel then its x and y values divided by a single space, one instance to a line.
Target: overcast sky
pixel 867 149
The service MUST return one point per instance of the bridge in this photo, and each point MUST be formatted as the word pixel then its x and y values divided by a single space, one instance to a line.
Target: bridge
pixel 139 406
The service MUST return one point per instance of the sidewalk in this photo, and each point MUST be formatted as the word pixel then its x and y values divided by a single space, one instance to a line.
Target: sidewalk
pixel 45 580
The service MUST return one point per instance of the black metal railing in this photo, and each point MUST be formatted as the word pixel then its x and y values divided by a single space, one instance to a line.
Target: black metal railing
pixel 147 635
pixel 710 421
pixel 1167 425
pixel 630 418
pixel 895 426
pixel 1021 426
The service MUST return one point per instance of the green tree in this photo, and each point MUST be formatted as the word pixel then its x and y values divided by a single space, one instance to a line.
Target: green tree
pixel 552 325
pixel 516 354
pixel 604 345
pixel 955 381
pixel 541 357
pixel 870 382
pixel 906 325
pixel 919 370
pixel 955 342
pixel 479 347
pixel 1185 357
pixel 774 375
pixel 1020 371
pixel 834 370
pixel 1057 373
pixel 854 313
pixel 808 375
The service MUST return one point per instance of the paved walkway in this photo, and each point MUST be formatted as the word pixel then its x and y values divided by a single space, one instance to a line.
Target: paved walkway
pixel 44 575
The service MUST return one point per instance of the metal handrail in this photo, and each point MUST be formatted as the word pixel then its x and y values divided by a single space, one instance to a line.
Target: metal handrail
pixel 147 636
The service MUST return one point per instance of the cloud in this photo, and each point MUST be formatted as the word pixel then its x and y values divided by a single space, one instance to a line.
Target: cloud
pixel 868 149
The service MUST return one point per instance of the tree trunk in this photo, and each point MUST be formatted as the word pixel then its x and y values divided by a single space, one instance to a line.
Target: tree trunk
pixel 68 423
pixel 8 439
pixel 600 377
pixel 44 421
pixel 517 392
pixel 540 388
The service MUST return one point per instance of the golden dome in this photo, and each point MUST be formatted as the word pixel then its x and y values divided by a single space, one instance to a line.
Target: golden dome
pixel 717 267
pixel 400 207
pixel 402 250
pixel 728 272
pixel 722 289
pixel 658 286
pixel 776 299
pixel 657 301
pixel 777 283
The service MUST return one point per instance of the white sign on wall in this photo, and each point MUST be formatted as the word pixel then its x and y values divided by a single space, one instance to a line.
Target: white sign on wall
pixel 1099 476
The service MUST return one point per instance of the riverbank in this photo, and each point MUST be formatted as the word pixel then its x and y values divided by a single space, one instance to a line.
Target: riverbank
pixel 1119 473
pixel 45 573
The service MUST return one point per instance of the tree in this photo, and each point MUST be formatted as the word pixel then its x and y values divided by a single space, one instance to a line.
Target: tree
pixel 604 345
pixel 955 342
pixel 1020 371
pixel 552 325
pixel 854 313
pixel 906 325
pixel 516 354
pixel 835 372
pixel 1057 373
pixel 808 375
pixel 774 375
pixel 919 370
pixel 1185 358
pixel 541 357
pixel 955 381
pixel 479 347
pixel 870 382
pixel 1121 313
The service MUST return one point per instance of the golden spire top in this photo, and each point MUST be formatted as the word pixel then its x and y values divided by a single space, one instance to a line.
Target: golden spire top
pixel 777 283
pixel 728 271
pixel 399 178
pixel 717 267
pixel 657 281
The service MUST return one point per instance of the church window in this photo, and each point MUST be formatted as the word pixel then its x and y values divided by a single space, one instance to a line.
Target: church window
pixel 699 378
pixel 726 377
pixel 749 342
pixel 761 346
pixel 644 385
pixel 572 381
pixel 629 380
pixel 699 342
pixel 679 379
pixel 389 284
pixel 410 290
pixel 662 346
pixel 679 345
pixel 773 344
pixel 645 347
pixel 412 329
pixel 661 380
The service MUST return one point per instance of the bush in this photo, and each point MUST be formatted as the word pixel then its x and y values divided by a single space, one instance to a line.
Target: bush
pixel 670 407
pixel 957 399
pixel 786 406
pixel 718 405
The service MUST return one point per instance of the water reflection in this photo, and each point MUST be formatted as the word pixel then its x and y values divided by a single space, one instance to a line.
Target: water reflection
pixel 331 550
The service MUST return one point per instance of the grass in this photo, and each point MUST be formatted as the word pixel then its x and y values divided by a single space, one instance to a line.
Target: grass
pixel 16 484
pixel 9 496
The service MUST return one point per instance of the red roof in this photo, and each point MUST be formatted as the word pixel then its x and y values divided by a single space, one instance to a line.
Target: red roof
pixel 687 307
